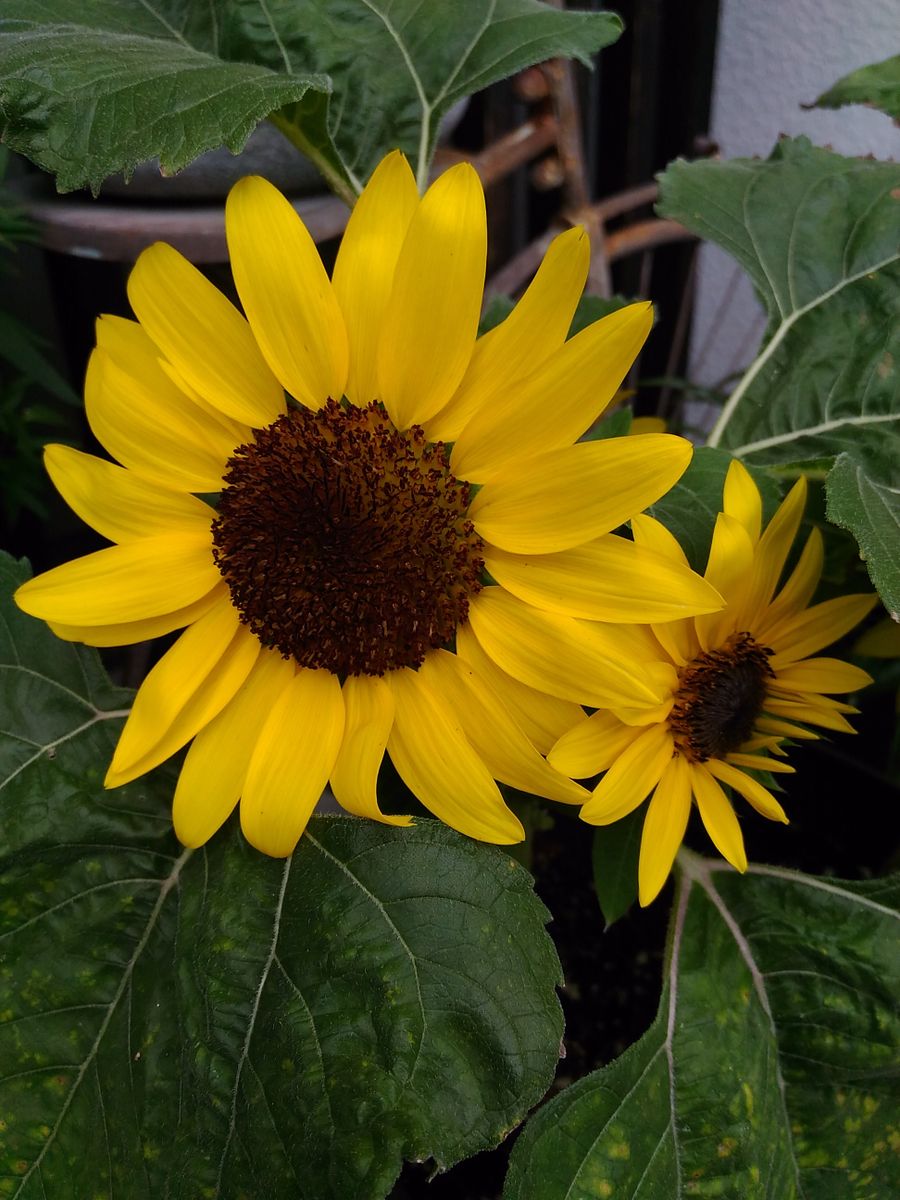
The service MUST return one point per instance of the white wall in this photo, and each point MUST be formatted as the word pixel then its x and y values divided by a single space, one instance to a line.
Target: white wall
pixel 773 56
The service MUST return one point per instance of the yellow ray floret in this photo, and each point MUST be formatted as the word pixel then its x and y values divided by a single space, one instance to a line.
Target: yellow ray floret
pixel 740 681
pixel 349 586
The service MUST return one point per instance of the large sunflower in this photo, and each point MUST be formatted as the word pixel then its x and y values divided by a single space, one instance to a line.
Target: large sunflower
pixel 736 683
pixel 327 592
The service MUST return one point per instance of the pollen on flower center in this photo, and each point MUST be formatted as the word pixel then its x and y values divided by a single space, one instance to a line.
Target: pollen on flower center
pixel 720 695
pixel 345 542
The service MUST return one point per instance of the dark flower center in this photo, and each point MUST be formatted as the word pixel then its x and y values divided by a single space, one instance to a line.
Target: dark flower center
pixel 345 543
pixel 720 695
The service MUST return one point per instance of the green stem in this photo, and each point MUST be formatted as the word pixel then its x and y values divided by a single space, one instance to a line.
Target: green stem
pixel 333 178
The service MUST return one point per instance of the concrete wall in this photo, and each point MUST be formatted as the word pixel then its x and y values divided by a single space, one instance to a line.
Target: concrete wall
pixel 773 56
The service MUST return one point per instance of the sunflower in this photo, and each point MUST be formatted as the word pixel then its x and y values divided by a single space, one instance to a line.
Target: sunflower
pixel 287 495
pixel 737 683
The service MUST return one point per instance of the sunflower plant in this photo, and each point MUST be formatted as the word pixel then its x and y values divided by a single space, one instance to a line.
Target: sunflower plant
pixel 382 553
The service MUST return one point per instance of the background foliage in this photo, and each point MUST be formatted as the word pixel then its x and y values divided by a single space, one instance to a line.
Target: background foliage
pixel 90 89
pixel 216 1023
pixel 818 234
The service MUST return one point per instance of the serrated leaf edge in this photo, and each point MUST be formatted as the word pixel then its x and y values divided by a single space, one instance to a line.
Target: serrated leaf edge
pixel 762 359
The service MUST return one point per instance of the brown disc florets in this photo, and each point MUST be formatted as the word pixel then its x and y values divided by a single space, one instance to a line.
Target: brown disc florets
pixel 345 542
pixel 720 695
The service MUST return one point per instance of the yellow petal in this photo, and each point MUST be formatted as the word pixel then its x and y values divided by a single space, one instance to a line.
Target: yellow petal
pixel 799 589
pixel 664 826
pixel 631 778
pixel 431 318
pixel 728 570
pixel 295 753
pixel 741 499
pixel 576 660
pixel 133 350
pixel 719 817
pixel 439 765
pixel 820 713
pixel 642 425
pixel 146 423
pixel 146 578
pixel 215 768
pixel 881 641
pixel 494 734
pixel 532 332
pixel 191 684
pixel 369 716
pixel 559 401
pixel 592 746
pixel 609 579
pixel 759 762
pixel 119 504
pixel 285 292
pixel 677 637
pixel 543 718
pixel 557 500
pixel 204 336
pixel 653 535
pixel 365 265
pixel 784 729
pixel 664 680
pixel 770 556
pixel 811 630
pixel 754 793
pixel 131 632
pixel 822 675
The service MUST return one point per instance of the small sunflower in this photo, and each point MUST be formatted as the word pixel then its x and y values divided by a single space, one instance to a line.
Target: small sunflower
pixel 736 683
pixel 287 494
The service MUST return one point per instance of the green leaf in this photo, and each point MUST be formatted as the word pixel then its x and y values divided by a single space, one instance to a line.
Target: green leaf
pixel 397 66
pixel 617 424
pixel 690 509
pixel 90 89
pixel 217 1023
pixel 818 235
pixel 615 855
pixel 20 347
pixel 594 308
pixel 877 85
pixel 770 1070
pixel 863 495
pixel 496 310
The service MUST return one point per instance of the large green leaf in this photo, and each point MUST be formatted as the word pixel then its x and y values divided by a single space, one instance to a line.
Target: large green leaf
pixel 690 509
pixel 862 495
pixel 221 1024
pixel 877 85
pixel 398 66
pixel 771 1068
pixel 818 234
pixel 91 88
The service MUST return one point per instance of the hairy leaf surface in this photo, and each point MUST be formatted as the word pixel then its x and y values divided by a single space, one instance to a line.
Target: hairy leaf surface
pixel 819 235
pixel 771 1068
pixel 89 89
pixel 223 1024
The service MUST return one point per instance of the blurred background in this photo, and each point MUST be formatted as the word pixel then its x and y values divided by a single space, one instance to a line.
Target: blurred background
pixel 556 145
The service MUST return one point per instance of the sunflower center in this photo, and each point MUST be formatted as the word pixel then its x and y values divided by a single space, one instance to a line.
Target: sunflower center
pixel 344 542
pixel 720 695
